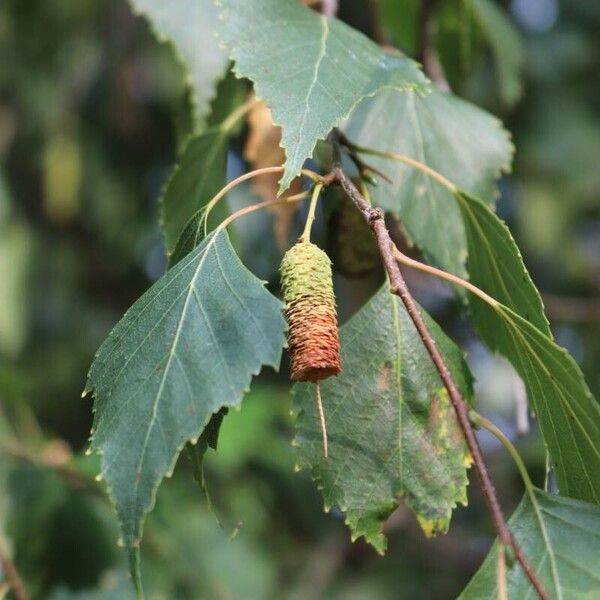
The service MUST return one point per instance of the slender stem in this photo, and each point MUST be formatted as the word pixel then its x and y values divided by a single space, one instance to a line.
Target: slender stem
pixel 13 577
pixel 375 218
pixel 415 264
pixel 407 160
pixel 501 573
pixel 223 191
pixel 322 419
pixel 310 219
pixel 481 421
pixel 238 113
pixel 259 206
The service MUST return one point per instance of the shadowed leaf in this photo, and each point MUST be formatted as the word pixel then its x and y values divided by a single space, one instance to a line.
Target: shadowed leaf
pixel 392 430
pixel 187 348
pixel 561 538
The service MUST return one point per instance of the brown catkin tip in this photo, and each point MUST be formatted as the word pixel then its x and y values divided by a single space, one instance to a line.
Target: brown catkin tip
pixel 313 341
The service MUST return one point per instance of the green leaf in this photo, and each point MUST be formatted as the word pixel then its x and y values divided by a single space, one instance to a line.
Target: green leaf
pixel 561 538
pixel 568 415
pixel 199 175
pixel 451 136
pixel 392 430
pixel 187 348
pixel 496 266
pixel 506 46
pixel 190 25
pixel 311 70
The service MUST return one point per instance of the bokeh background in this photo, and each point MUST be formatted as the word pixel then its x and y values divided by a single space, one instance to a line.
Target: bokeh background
pixel 93 111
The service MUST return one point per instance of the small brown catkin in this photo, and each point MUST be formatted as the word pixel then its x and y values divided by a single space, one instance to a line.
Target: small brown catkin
pixel 310 311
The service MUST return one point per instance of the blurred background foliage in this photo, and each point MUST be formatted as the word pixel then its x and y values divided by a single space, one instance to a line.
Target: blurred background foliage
pixel 92 113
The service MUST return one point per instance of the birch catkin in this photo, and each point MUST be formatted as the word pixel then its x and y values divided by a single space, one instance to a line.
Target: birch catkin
pixel 313 341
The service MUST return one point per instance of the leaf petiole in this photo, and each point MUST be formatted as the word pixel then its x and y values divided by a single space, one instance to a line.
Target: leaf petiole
pixel 480 421
pixel 265 170
pixel 305 237
pixel 415 264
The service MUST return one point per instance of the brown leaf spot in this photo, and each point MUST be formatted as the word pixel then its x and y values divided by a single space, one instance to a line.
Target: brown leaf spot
pixel 383 379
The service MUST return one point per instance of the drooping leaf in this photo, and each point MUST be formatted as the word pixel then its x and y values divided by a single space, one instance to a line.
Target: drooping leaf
pixel 506 46
pixel 187 348
pixel 568 415
pixel 451 136
pixel 496 266
pixel 561 538
pixel 392 430
pixel 311 70
pixel 190 26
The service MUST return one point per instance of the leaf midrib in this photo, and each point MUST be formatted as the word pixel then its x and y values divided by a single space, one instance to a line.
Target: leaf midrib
pixel 136 484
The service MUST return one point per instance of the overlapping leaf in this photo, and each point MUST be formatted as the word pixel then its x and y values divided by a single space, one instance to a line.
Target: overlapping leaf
pixel 451 136
pixel 187 348
pixel 190 26
pixel 310 69
pixel 199 175
pixel 392 429
pixel 568 415
pixel 561 538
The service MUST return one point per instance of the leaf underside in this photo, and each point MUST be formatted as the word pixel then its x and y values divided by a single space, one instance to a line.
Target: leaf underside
pixel 190 26
pixel 392 430
pixel 568 415
pixel 310 69
pixel 561 538
pixel 451 136
pixel 185 349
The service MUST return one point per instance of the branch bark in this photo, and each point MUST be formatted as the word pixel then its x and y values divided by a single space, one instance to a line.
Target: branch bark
pixel 375 219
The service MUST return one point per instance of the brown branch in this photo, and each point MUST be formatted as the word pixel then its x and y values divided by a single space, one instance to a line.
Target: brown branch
pixel 13 577
pixel 375 219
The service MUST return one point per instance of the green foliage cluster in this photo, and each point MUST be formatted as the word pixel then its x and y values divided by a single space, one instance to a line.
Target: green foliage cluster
pixel 188 349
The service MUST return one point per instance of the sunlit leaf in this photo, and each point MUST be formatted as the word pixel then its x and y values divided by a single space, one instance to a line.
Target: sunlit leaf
pixel 311 70
pixel 190 26
pixel 451 136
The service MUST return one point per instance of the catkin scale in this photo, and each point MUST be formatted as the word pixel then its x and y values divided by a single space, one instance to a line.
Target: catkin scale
pixel 307 285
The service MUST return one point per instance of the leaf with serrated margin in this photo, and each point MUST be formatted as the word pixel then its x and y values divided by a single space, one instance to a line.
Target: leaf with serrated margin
pixel 310 69
pixel 453 137
pixel 188 347
pixel 190 25
pixel 496 263
pixel 561 538
pixel 392 430
pixel 568 415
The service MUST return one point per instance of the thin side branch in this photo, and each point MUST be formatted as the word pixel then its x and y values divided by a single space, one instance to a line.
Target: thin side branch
pixel 13 577
pixel 375 219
